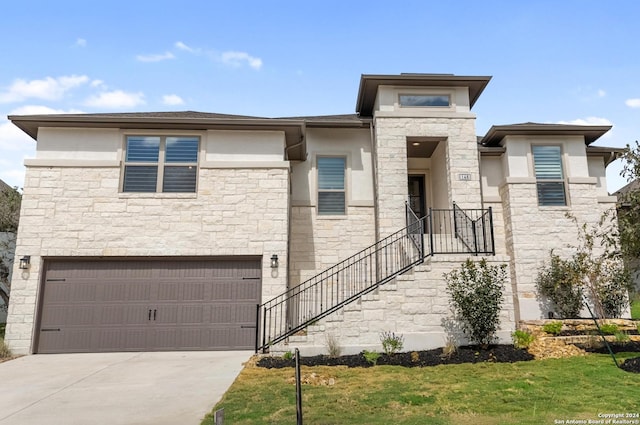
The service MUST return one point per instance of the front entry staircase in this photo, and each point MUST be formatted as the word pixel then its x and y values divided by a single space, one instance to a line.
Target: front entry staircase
pixel 449 231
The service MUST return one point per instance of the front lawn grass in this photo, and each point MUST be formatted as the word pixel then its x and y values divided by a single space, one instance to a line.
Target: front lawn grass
pixel 635 306
pixel 533 392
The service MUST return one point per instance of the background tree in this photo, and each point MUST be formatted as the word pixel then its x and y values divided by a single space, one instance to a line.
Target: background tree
pixel 9 216
pixel 629 204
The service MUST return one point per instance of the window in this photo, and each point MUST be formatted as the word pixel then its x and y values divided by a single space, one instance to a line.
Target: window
pixel 547 162
pixel 331 193
pixel 439 100
pixel 161 164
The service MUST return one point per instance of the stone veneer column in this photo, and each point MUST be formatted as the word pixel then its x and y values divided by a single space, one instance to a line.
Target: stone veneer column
pixel 391 164
pixel 532 232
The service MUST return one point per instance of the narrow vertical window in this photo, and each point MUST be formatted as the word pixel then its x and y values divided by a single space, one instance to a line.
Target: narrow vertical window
pixel 547 162
pixel 331 185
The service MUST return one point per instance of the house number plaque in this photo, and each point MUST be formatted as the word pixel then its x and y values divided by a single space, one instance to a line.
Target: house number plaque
pixel 464 176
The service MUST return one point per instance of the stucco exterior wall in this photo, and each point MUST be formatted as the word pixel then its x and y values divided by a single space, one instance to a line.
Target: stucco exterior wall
pixel 80 212
pixel 318 242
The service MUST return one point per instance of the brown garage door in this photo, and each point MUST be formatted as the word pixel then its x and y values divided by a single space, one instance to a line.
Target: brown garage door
pixel 148 305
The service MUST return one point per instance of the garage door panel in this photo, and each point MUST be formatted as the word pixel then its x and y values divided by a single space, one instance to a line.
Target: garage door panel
pixel 110 305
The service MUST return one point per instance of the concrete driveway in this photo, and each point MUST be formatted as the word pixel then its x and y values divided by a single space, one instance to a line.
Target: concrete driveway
pixel 173 388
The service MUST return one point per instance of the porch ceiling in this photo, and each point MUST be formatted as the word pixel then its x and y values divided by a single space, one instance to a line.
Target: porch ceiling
pixel 422 147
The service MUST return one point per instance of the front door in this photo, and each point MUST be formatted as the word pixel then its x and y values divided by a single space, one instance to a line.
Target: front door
pixel 417 195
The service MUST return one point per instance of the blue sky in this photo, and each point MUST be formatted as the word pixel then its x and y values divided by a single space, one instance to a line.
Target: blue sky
pixel 551 61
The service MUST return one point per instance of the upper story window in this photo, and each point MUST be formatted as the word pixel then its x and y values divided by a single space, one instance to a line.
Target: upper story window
pixel 430 100
pixel 331 185
pixel 161 164
pixel 547 163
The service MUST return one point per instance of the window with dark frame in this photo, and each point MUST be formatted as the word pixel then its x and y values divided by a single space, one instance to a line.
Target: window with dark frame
pixel 547 163
pixel 166 164
pixel 331 185
pixel 425 100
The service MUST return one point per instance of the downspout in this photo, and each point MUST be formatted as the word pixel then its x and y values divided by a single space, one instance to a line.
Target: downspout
pixel 480 177
pixel 374 162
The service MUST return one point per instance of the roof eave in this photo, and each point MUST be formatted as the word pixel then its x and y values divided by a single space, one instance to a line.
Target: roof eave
pixel 591 133
pixel 369 86
pixel 293 129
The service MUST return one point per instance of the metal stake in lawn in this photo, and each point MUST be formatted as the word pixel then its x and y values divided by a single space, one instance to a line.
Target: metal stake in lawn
pixel 298 390
pixel 586 302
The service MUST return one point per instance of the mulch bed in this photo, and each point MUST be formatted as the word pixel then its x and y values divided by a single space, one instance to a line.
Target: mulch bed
pixel 630 365
pixel 468 354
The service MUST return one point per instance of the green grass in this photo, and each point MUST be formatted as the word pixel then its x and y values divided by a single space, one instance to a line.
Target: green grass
pixel 535 392
pixel 635 307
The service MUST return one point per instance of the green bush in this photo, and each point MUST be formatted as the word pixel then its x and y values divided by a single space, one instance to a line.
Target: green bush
pixel 475 292
pixel 561 282
pixel 553 328
pixel 609 328
pixel 371 357
pixel 391 343
pixel 522 339
pixel 288 355
pixel 621 337
pixel 4 350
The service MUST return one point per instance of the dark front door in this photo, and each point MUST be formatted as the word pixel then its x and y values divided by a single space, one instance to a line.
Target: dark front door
pixel 417 195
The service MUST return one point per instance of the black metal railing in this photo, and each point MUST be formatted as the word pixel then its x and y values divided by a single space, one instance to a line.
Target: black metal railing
pixel 341 284
pixel 460 231
pixel 450 231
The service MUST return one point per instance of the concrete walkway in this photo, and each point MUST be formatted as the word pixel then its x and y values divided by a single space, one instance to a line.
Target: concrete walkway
pixel 172 388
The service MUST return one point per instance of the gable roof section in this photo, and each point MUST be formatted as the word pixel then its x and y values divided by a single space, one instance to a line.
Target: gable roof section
pixel 369 86
pixel 496 133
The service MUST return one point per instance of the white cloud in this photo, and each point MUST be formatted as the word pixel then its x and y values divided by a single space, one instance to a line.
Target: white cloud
pixel 180 45
pixel 236 59
pixel 48 88
pixel 633 103
pixel 97 83
pixel 116 99
pixel 601 93
pixel 591 121
pixel 16 145
pixel 81 42
pixel 587 121
pixel 155 58
pixel 172 100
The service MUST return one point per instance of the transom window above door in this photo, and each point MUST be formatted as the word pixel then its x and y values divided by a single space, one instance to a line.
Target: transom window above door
pixel 161 164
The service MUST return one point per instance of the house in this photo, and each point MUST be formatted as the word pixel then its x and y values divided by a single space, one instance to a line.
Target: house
pixel 201 231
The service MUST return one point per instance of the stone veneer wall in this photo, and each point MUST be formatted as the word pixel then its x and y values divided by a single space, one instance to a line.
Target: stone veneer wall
pixel 391 163
pixel 69 212
pixel 318 242
pixel 415 305
pixel 533 231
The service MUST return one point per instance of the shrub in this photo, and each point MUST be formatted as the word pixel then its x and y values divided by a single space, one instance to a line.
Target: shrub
pixel 553 328
pixel 371 357
pixel 288 355
pixel 561 282
pixel 5 352
pixel 391 343
pixel 522 339
pixel 475 292
pixel 621 337
pixel 609 328
pixel 333 347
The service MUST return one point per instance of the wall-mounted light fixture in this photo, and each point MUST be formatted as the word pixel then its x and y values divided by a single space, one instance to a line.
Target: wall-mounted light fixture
pixel 274 261
pixel 25 262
